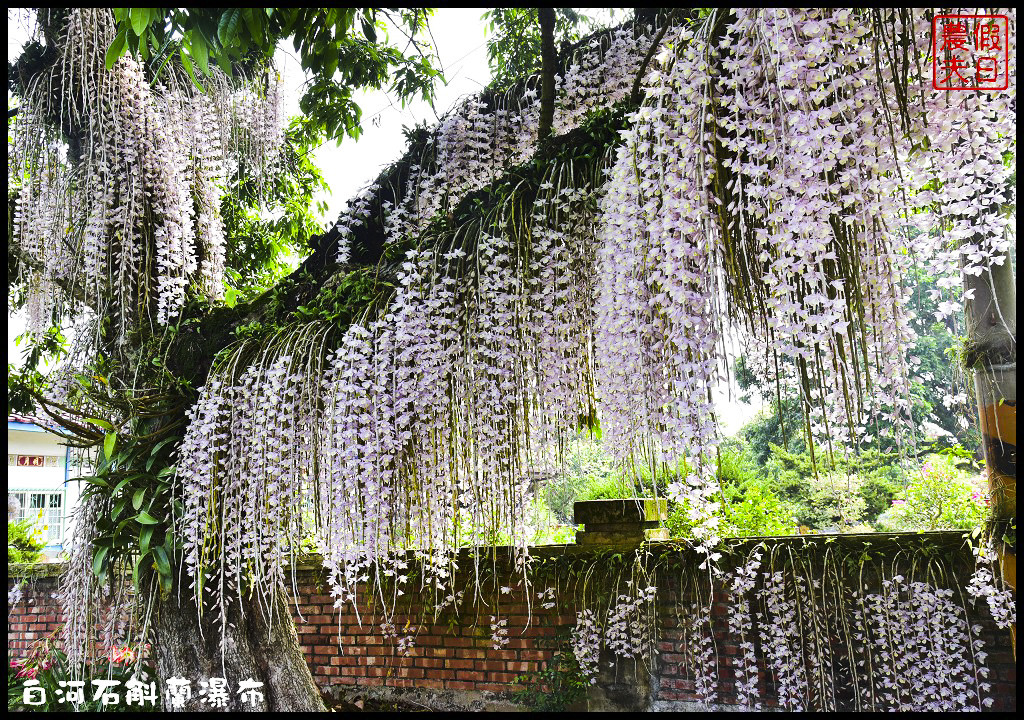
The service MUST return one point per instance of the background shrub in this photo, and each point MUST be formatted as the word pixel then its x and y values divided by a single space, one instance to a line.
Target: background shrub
pixel 24 541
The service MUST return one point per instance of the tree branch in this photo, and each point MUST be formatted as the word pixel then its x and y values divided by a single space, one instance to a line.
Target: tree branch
pixel 196 343
pixel 546 17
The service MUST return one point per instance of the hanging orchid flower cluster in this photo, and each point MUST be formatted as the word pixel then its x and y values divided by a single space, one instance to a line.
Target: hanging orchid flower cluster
pixel 627 629
pixel 701 655
pixel 657 329
pixel 43 210
pixel 741 582
pixel 129 210
pixel 816 163
pixel 597 77
pixel 97 612
pixel 476 144
pixel 586 643
pixel 416 431
pixel 247 467
pixel 780 177
pixel 987 584
pixel 924 654
pixel 813 630
pixel 618 620
pixel 479 141
pixel 354 216
pixel 78 589
pixel 780 637
pixel 559 304
pixel 419 421
pixel 892 636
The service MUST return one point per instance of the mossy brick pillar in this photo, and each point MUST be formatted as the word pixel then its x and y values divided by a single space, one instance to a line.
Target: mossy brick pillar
pixel 620 522
pixel 622 684
pixel 991 314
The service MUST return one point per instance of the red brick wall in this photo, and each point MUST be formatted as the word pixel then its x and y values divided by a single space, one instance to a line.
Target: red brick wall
pixel 34 618
pixel 454 651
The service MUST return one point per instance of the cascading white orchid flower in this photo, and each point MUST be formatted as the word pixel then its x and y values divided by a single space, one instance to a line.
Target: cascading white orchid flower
pixel 149 159
pixel 709 223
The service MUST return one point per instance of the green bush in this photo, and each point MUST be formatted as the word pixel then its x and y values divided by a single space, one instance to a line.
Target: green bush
pixel 24 541
pixel 834 501
pixel 879 489
pixel 583 463
pixel 560 684
pixel 844 493
pixel 547 528
pixel 609 487
pixel 749 504
pixel 755 509
pixel 942 497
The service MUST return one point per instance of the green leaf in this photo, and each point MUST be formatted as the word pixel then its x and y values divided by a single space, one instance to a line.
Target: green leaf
pixel 187 64
pixel 102 423
pixel 115 51
pixel 140 20
pixel 127 480
pixel 109 443
pixel 156 449
pixel 138 566
pixel 200 51
pixel 330 63
pixel 121 526
pixel 223 63
pixel 95 481
pixel 228 26
pixel 137 499
pixel 145 537
pixel 163 565
pixel 99 561
pixel 145 518
pixel 163 62
pixel 252 22
pixel 369 30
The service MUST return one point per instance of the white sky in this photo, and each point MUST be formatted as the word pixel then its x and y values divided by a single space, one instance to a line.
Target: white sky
pixel 348 166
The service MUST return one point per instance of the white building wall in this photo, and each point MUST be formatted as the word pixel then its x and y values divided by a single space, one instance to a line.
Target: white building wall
pixel 27 446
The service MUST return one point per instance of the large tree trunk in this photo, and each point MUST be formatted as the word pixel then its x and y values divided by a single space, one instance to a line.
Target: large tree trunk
pixel 256 648
pixel 992 353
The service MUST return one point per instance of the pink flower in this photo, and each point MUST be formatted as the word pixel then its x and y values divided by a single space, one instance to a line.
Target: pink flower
pixel 121 654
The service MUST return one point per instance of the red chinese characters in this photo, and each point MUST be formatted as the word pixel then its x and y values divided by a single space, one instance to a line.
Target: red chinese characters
pixel 970 52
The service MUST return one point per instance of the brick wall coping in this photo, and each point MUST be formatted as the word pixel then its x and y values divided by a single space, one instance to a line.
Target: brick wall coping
pixel 951 539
